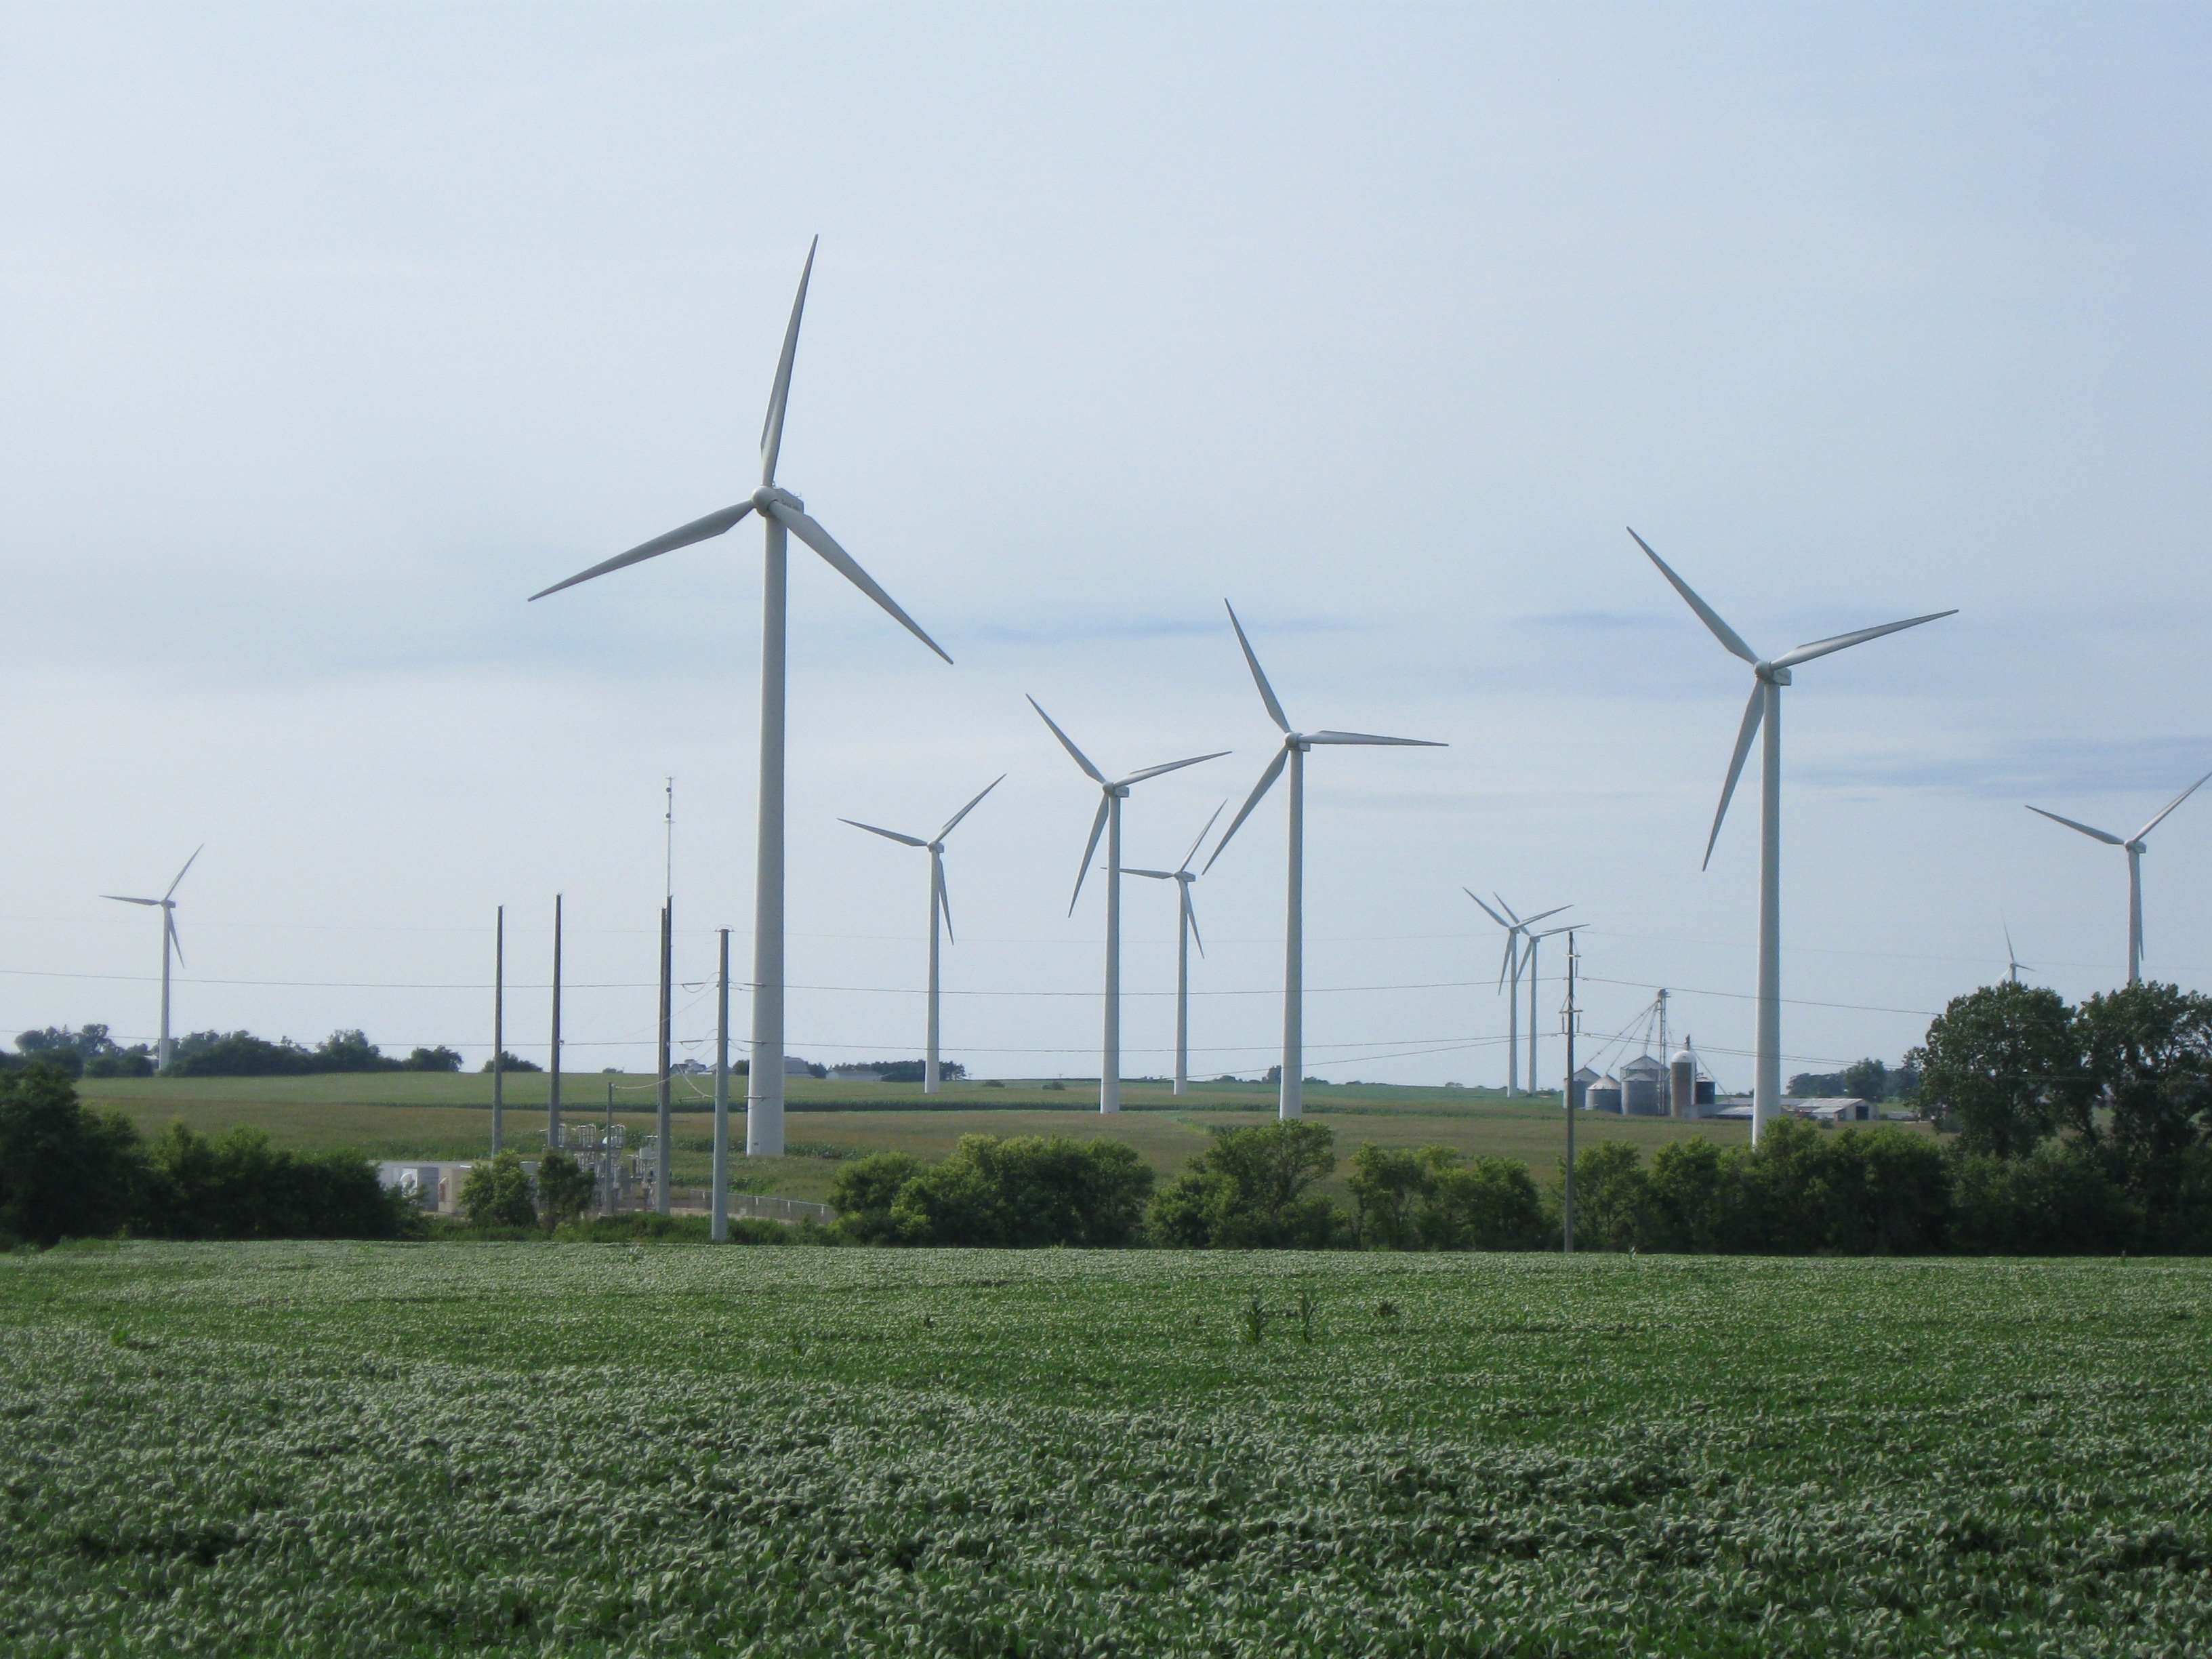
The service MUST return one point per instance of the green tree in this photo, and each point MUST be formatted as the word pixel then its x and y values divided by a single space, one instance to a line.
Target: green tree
pixel 1481 1204
pixel 565 1189
pixel 64 1172
pixel 1612 1198
pixel 440 1058
pixel 512 1063
pixel 1251 1190
pixel 1026 1191
pixel 1386 1183
pixel 1999 1063
pixel 498 1193
pixel 2145 1095
pixel 1868 1080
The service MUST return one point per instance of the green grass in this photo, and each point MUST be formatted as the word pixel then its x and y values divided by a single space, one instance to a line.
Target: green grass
pixel 428 1115
pixel 607 1449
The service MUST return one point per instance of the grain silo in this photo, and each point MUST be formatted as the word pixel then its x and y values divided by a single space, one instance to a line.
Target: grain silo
pixel 1682 1081
pixel 1643 1084
pixel 1604 1095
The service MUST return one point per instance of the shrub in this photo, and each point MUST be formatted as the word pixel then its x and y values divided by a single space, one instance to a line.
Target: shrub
pixel 565 1189
pixel 1482 1204
pixel 1250 1190
pixel 1612 1198
pixel 864 1191
pixel 1026 1191
pixel 1385 1185
pixel 498 1193
pixel 240 1186
pixel 2059 1200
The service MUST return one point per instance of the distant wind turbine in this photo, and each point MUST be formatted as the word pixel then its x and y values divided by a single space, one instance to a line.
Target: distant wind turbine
pixel 2013 963
pixel 1109 823
pixel 939 906
pixel 1536 1072
pixel 167 906
pixel 1511 968
pixel 1186 931
pixel 1768 677
pixel 2134 846
pixel 782 515
pixel 1292 754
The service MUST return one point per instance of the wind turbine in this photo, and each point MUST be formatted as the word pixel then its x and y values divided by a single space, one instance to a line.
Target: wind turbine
pixel 1515 930
pixel 938 904
pixel 782 515
pixel 1293 753
pixel 2134 844
pixel 1765 705
pixel 1186 931
pixel 167 906
pixel 1536 1072
pixel 2013 963
pixel 1109 823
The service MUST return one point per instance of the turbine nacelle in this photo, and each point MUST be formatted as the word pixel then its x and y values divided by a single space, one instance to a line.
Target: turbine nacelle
pixel 1771 675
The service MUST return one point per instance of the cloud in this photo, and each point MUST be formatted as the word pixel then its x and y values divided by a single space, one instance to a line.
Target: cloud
pixel 2049 770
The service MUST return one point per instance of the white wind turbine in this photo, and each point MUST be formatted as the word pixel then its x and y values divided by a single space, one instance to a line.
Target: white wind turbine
pixel 939 906
pixel 2134 846
pixel 167 906
pixel 1765 707
pixel 1109 823
pixel 2013 963
pixel 1515 930
pixel 782 515
pixel 1186 931
pixel 1292 754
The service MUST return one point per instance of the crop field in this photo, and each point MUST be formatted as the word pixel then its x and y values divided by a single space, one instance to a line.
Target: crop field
pixel 596 1449
pixel 415 1115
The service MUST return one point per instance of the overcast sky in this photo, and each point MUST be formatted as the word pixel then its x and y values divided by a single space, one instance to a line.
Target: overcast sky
pixel 328 336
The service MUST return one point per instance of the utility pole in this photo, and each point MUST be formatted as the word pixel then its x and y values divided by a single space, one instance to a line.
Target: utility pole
pixel 1567 1098
pixel 721 1200
pixel 498 1033
pixel 553 1083
pixel 660 1174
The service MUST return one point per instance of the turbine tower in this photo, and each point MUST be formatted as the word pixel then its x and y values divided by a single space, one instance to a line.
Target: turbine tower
pixel 167 906
pixel 783 516
pixel 1109 823
pixel 939 905
pixel 1768 677
pixel 1515 930
pixel 1292 754
pixel 1536 1072
pixel 1186 931
pixel 2134 846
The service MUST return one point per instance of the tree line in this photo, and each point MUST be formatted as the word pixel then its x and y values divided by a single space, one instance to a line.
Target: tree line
pixel 69 1173
pixel 89 1051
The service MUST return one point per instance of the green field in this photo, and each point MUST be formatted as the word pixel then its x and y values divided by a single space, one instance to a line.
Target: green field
pixel 598 1450
pixel 428 1115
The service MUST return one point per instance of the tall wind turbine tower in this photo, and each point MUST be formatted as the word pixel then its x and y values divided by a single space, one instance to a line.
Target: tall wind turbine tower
pixel 1292 754
pixel 2135 849
pixel 1765 708
pixel 1536 1072
pixel 782 515
pixel 1186 931
pixel 940 906
pixel 167 904
pixel 1108 823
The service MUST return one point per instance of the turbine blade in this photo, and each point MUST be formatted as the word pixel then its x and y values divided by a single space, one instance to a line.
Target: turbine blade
pixel 1068 744
pixel 1510 962
pixel 1486 910
pixel 1157 875
pixel 951 822
pixel 1540 914
pixel 2135 908
pixel 1266 691
pixel 780 393
pixel 1172 766
pixel 1267 782
pixel 2140 833
pixel 888 835
pixel 202 847
pixel 120 899
pixel 1368 737
pixel 1201 842
pixel 1190 915
pixel 1503 906
pixel 1754 713
pixel 697 531
pixel 2093 835
pixel 1097 828
pixel 2011 955
pixel 800 525
pixel 1727 635
pixel 173 939
pixel 1822 647
pixel 945 902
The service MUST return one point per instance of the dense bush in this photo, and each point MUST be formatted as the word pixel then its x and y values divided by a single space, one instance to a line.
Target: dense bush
pixel 240 1187
pixel 1026 1191
pixel 64 1172
pixel 1252 1189
pixel 241 1053
pixel 89 1051
pixel 1434 1198
pixel 565 1190
pixel 498 1193
pixel 863 1194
